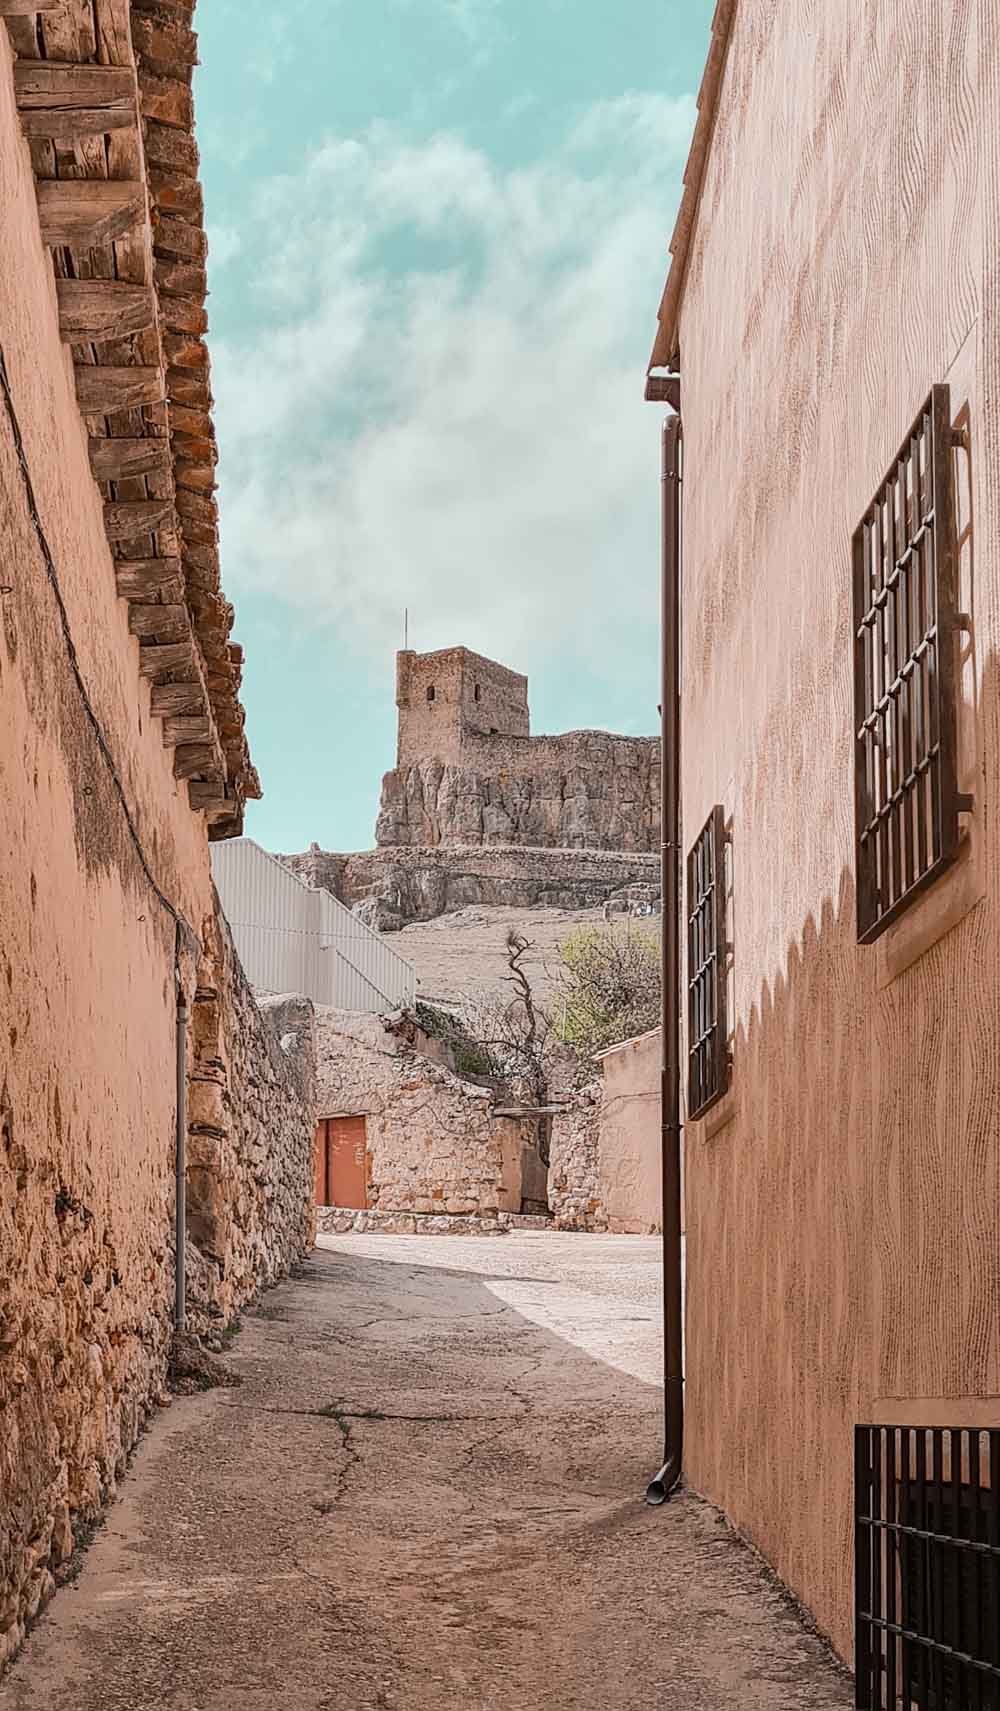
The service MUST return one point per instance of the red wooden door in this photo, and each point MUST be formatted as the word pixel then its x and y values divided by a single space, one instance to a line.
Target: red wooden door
pixel 346 1162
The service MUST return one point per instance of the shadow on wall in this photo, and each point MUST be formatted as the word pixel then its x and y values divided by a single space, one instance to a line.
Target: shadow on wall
pixel 841 1246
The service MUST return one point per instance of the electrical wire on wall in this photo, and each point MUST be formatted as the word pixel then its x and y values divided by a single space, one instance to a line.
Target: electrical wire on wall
pixel 183 931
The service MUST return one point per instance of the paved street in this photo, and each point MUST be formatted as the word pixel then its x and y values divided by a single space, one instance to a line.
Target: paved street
pixel 425 1495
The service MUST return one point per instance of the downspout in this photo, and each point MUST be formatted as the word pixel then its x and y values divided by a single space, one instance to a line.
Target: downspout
pixel 180 1165
pixel 669 1475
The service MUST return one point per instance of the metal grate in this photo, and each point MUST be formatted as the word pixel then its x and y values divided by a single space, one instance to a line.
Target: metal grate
pixel 907 802
pixel 708 1056
pixel 927 1568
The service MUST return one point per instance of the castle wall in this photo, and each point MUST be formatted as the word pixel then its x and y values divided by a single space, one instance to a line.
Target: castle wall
pixel 444 698
pixel 469 772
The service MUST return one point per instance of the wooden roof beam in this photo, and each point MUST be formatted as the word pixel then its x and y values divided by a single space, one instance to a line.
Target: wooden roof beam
pixel 103 391
pixel 158 658
pixel 164 623
pixel 93 310
pixel 172 700
pixel 114 460
pixel 186 728
pixel 143 578
pixel 71 101
pixel 83 212
pixel 26 8
pixel 190 759
pixel 124 520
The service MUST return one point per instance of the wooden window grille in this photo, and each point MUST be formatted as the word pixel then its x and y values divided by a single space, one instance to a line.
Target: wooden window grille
pixel 905 569
pixel 927 1568
pixel 708 1052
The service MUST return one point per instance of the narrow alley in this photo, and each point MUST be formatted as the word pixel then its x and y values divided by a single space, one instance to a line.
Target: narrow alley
pixel 426 1493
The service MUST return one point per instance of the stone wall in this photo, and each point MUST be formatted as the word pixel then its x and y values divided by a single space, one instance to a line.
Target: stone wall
pixel 574 1170
pixel 420 884
pixel 432 1146
pixel 87 955
pixel 251 1122
pixel 444 697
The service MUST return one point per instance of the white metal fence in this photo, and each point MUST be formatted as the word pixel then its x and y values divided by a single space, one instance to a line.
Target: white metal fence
pixel 294 938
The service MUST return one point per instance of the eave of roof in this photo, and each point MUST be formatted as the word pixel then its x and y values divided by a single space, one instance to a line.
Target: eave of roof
pixel 104 96
pixel 665 348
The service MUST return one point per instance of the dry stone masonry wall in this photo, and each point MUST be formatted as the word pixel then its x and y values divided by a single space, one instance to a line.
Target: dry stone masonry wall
pixel 251 1122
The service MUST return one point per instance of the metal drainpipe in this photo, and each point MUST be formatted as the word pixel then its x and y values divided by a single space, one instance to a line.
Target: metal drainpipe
pixel 180 1167
pixel 667 1478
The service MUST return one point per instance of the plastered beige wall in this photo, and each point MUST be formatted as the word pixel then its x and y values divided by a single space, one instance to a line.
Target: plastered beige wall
pixel 842 1223
pixel 629 1156
pixel 87 1000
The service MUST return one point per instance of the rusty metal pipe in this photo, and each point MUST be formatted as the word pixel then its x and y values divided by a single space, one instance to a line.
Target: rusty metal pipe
pixel 668 1477
pixel 180 1167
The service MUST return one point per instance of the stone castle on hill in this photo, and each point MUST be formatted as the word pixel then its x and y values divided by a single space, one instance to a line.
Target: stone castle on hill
pixel 477 810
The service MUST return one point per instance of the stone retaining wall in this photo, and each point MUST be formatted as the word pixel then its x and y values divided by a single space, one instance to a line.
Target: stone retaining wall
pixel 251 1122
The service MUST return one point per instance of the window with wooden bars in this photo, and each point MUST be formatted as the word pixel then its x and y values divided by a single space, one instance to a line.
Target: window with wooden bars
pixel 905 569
pixel 708 1052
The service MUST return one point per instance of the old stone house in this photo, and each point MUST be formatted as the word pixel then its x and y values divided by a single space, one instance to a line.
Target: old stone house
pixel 832 313
pixel 405 1143
pixel 122 753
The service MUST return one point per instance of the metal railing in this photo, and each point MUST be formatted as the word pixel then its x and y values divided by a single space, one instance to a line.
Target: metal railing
pixel 927 1568
pixel 905 570
pixel 708 1058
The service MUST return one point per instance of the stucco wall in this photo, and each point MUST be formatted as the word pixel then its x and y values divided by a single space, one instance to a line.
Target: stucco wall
pixel 842 1243
pixel 605 1154
pixel 87 998
pixel 432 1145
pixel 629 1147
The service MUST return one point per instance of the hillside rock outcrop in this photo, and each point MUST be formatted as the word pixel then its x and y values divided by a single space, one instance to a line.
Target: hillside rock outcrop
pixel 587 791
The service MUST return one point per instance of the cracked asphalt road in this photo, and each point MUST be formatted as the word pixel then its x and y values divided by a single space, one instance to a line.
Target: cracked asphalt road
pixel 425 1495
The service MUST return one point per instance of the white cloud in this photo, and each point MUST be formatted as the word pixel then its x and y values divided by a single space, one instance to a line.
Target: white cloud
pixel 462 434
pixel 224 244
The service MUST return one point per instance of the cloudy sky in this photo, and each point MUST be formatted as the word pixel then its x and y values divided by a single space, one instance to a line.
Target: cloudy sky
pixel 438 236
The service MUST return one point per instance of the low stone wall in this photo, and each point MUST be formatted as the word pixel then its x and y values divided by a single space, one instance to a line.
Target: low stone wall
pixel 421 884
pixel 251 1122
pixel 432 1145
pixel 341 1220
pixel 574 1170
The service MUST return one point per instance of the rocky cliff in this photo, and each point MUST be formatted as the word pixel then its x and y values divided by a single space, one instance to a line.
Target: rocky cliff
pixel 586 791
pixel 400 884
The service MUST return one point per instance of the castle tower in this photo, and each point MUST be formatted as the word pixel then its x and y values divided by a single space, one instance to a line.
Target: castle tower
pixel 444 697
